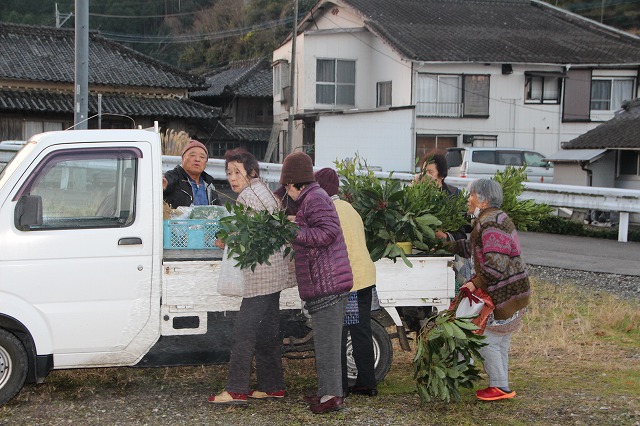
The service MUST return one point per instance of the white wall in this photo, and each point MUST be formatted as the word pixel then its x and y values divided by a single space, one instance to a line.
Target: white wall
pixel 383 139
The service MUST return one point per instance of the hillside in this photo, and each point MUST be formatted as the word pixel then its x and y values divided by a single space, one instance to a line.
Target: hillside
pixel 197 35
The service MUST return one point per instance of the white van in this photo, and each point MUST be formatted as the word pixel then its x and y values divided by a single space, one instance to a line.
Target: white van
pixel 475 162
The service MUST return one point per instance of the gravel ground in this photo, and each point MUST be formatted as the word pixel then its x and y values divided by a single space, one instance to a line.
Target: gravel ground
pixel 176 396
pixel 623 286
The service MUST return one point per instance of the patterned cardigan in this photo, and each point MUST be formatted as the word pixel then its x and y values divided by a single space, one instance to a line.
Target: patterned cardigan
pixel 500 270
pixel 266 279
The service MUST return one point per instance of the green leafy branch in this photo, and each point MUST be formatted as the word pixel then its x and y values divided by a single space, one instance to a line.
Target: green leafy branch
pixel 524 213
pixel 254 235
pixel 445 350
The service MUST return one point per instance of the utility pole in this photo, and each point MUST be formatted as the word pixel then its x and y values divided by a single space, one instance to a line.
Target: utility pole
pixel 81 99
pixel 601 10
pixel 292 79
pixel 59 15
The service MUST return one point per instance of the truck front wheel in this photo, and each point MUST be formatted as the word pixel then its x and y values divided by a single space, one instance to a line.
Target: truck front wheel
pixel 13 366
pixel 382 352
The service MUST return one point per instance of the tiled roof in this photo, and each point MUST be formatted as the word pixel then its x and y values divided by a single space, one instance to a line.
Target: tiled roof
pixel 239 133
pixel 44 101
pixel 46 54
pixel 507 31
pixel 621 132
pixel 250 78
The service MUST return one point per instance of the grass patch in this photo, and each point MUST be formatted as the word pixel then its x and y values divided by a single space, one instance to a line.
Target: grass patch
pixel 576 361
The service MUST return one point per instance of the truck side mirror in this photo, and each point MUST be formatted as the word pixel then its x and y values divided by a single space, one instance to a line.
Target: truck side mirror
pixel 28 212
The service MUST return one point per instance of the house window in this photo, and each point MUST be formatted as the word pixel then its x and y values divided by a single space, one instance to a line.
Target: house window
pixel 628 163
pixel 383 94
pixel 280 78
pixel 542 89
pixel 335 82
pixel 608 94
pixel 452 95
pixel 427 143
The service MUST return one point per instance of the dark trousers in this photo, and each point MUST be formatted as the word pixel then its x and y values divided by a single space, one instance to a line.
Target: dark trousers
pixel 257 331
pixel 362 343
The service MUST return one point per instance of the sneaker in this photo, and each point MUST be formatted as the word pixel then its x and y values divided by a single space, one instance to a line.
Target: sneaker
pixel 493 394
pixel 228 398
pixel 261 395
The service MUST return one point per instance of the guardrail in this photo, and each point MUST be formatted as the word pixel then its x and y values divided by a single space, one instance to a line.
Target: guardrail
pixel 623 201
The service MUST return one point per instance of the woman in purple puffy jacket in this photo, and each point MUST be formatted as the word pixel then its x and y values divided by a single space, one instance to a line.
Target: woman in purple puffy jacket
pixel 323 274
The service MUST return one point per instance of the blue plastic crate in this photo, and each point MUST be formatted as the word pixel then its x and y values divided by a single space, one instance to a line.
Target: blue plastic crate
pixel 190 234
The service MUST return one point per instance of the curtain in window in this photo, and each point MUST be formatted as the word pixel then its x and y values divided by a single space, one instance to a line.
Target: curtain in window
pixel 346 83
pixel 600 95
pixel 476 95
pixel 621 91
pixel 449 96
pixel 426 94
pixel 535 89
pixel 550 89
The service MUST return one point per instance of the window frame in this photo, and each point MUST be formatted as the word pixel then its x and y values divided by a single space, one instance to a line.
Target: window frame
pixel 612 81
pixel 384 89
pixel 466 97
pixel 337 85
pixel 627 176
pixel 545 81
pixel 91 154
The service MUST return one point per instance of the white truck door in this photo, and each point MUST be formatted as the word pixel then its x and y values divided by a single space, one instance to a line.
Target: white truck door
pixel 88 268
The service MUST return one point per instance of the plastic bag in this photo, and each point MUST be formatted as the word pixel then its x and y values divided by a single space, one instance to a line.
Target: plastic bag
pixel 477 304
pixel 231 277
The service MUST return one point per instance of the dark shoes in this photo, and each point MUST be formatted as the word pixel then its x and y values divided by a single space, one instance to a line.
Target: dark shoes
pixel 363 390
pixel 311 399
pixel 334 404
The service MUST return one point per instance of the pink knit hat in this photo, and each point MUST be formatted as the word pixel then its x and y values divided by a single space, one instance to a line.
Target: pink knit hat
pixel 194 144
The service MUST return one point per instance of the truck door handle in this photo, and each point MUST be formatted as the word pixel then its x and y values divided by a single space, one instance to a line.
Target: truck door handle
pixel 129 241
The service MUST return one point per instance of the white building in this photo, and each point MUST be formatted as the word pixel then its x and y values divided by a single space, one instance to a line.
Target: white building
pixel 392 80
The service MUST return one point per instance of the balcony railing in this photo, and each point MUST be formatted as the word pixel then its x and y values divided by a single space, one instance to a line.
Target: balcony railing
pixel 439 109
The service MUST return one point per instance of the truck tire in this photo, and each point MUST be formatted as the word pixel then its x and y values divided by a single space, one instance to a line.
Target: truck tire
pixel 13 366
pixel 382 353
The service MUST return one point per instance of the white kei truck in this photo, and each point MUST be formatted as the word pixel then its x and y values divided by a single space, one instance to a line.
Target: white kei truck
pixel 87 281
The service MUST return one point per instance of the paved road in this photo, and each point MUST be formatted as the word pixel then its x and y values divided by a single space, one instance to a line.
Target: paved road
pixel 581 253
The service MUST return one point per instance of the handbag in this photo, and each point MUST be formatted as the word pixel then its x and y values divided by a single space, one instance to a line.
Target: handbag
pixel 231 278
pixel 477 305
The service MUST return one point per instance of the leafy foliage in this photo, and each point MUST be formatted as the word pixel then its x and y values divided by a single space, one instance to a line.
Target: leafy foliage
pixel 443 362
pixel 524 213
pixel 393 212
pixel 254 235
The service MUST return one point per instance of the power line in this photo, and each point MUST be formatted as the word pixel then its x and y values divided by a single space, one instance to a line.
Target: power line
pixel 194 38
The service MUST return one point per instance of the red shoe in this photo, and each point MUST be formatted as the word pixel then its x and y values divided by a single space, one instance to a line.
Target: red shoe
pixel 228 398
pixel 261 395
pixel 333 404
pixel 493 394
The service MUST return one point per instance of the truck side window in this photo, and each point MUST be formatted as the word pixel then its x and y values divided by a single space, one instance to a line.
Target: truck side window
pixel 89 188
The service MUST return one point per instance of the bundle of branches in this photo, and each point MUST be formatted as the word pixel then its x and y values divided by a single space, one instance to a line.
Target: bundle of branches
pixel 393 212
pixel 254 235
pixel 524 213
pixel 445 349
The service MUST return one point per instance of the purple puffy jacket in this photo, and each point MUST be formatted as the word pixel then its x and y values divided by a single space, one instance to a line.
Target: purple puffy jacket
pixel 322 263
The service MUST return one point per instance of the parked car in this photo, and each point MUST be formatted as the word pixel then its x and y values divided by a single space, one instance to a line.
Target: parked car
pixel 475 162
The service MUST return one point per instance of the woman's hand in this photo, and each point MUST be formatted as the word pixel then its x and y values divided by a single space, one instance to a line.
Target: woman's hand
pixel 292 218
pixel 471 286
